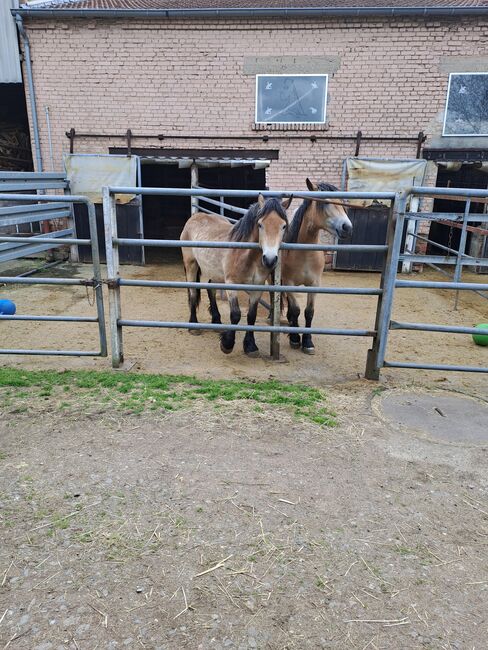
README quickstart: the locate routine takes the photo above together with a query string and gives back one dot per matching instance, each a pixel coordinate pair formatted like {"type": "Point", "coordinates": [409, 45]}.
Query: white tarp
{"type": "Point", "coordinates": [88, 173]}
{"type": "Point", "coordinates": [383, 176]}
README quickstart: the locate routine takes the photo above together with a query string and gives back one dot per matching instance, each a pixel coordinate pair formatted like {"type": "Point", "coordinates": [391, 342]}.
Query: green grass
{"type": "Point", "coordinates": [135, 393]}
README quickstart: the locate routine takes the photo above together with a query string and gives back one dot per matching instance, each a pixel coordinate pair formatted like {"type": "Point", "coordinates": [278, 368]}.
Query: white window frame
{"type": "Point", "coordinates": [460, 135]}
{"type": "Point", "coordinates": [324, 117]}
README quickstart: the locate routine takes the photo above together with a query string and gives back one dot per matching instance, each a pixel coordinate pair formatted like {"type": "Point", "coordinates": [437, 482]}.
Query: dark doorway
{"type": "Point", "coordinates": [15, 149]}
{"type": "Point", "coordinates": [165, 216]}
{"type": "Point", "coordinates": [237, 178]}
{"type": "Point", "coordinates": [468, 176]}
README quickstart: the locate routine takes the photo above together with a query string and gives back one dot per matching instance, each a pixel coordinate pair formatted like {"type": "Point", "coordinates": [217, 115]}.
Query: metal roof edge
{"type": "Point", "coordinates": [240, 12]}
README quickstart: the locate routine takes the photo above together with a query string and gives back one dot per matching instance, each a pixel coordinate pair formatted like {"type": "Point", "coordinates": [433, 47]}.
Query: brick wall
{"type": "Point", "coordinates": [187, 77]}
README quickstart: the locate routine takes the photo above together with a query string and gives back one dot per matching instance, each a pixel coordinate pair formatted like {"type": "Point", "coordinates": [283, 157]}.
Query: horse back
{"type": "Point", "coordinates": [206, 227]}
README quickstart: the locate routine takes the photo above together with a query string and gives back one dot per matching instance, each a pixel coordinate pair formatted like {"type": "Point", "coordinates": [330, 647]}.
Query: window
{"type": "Point", "coordinates": [467, 104]}
{"type": "Point", "coordinates": [291, 99]}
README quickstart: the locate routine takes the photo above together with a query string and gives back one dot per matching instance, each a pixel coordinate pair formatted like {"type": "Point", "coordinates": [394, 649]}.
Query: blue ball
{"type": "Point", "coordinates": [7, 307]}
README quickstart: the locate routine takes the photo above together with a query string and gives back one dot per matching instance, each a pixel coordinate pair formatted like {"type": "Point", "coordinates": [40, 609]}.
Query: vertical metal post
{"type": "Point", "coordinates": [222, 209]}
{"type": "Point", "coordinates": [112, 254]}
{"type": "Point", "coordinates": [461, 251]}
{"type": "Point", "coordinates": [194, 183]}
{"type": "Point", "coordinates": [376, 355]}
{"type": "Point", "coordinates": [74, 255]}
{"type": "Point", "coordinates": [276, 311]}
{"type": "Point", "coordinates": [97, 277]}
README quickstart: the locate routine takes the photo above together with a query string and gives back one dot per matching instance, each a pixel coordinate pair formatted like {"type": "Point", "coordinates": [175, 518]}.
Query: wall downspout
{"type": "Point", "coordinates": [32, 96]}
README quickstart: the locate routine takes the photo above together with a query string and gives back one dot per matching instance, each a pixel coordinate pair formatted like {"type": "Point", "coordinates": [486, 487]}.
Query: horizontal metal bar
{"type": "Point", "coordinates": [60, 281]}
{"type": "Point", "coordinates": [10, 210]}
{"type": "Point", "coordinates": [164, 191]}
{"type": "Point", "coordinates": [177, 243]}
{"type": "Point", "coordinates": [32, 185]}
{"type": "Point", "coordinates": [447, 192]}
{"type": "Point", "coordinates": [233, 208]}
{"type": "Point", "coordinates": [55, 198]}
{"type": "Point", "coordinates": [61, 319]}
{"type": "Point", "coordinates": [244, 328]}
{"type": "Point", "coordinates": [439, 259]}
{"type": "Point", "coordinates": [15, 241]}
{"type": "Point", "coordinates": [433, 366]}
{"type": "Point", "coordinates": [446, 216]}
{"type": "Point", "coordinates": [462, 286]}
{"type": "Point", "coordinates": [431, 327]}
{"type": "Point", "coordinates": [32, 176]}
{"type": "Point", "coordinates": [47, 215]}
{"type": "Point", "coordinates": [24, 251]}
{"type": "Point", "coordinates": [56, 241]}
{"type": "Point", "coordinates": [55, 353]}
{"type": "Point", "coordinates": [249, 287]}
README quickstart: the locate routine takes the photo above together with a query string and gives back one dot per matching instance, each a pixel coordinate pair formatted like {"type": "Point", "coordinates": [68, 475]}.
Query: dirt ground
{"type": "Point", "coordinates": [231, 526]}
{"type": "Point", "coordinates": [337, 359]}
{"type": "Point", "coordinates": [237, 525]}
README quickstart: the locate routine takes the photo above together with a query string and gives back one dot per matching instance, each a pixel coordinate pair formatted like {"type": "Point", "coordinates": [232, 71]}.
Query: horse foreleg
{"type": "Point", "coordinates": [307, 345]}
{"type": "Point", "coordinates": [213, 308]}
{"type": "Point", "coordinates": [228, 339]}
{"type": "Point", "coordinates": [250, 347]}
{"type": "Point", "coordinates": [292, 314]}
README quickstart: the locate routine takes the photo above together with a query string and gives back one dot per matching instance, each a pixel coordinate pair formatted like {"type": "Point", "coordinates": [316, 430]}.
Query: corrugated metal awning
{"type": "Point", "coordinates": [9, 49]}
{"type": "Point", "coordinates": [184, 163]}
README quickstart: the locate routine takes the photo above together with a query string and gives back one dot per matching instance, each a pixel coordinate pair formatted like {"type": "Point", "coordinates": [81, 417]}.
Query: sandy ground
{"type": "Point", "coordinates": [337, 359]}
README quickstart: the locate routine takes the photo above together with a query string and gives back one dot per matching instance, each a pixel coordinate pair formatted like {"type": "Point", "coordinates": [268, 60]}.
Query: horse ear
{"type": "Point", "coordinates": [311, 186]}
{"type": "Point", "coordinates": [287, 202]}
{"type": "Point", "coordinates": [261, 200]}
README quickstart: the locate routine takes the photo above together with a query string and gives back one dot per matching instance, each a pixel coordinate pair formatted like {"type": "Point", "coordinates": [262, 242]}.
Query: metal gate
{"type": "Point", "coordinates": [113, 241]}
{"type": "Point", "coordinates": [390, 283]}
{"type": "Point", "coordinates": [51, 240]}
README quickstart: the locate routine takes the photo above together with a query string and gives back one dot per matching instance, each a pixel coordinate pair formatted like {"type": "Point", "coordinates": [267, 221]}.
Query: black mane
{"type": "Point", "coordinates": [294, 229]}
{"type": "Point", "coordinates": [244, 227]}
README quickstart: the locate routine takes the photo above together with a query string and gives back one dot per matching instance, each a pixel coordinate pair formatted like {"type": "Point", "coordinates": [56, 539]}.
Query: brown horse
{"type": "Point", "coordinates": [306, 267]}
{"type": "Point", "coordinates": [265, 223]}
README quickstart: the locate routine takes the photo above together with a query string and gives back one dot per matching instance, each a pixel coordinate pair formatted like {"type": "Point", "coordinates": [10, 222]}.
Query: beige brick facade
{"type": "Point", "coordinates": [188, 78]}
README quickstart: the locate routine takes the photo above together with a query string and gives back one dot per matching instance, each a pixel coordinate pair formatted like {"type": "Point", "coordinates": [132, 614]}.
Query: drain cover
{"type": "Point", "coordinates": [450, 418]}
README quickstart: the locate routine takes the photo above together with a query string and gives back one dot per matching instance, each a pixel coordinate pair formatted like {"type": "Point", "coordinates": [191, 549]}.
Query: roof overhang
{"type": "Point", "coordinates": [225, 12]}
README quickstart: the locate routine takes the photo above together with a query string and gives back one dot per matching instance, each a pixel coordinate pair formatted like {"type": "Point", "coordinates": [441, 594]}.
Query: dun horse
{"type": "Point", "coordinates": [305, 267]}
{"type": "Point", "coordinates": [265, 222]}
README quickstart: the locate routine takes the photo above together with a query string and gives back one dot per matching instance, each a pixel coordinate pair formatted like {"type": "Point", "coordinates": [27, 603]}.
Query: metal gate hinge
{"type": "Point", "coordinates": [112, 284]}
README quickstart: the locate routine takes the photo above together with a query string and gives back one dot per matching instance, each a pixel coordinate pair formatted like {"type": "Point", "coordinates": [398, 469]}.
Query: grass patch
{"type": "Point", "coordinates": [135, 393]}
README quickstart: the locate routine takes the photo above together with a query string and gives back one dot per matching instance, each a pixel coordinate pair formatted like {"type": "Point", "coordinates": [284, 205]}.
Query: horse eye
{"type": "Point", "coordinates": [260, 225]}
{"type": "Point", "coordinates": [283, 226]}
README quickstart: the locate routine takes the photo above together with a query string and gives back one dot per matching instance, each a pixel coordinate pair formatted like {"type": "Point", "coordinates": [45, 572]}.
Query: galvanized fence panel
{"type": "Point", "coordinates": [377, 356]}
{"type": "Point", "coordinates": [52, 240]}
{"type": "Point", "coordinates": [115, 281]}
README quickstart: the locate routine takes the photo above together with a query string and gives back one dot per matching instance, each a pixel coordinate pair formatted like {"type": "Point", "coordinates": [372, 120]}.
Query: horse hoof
{"type": "Point", "coordinates": [295, 344]}
{"type": "Point", "coordinates": [195, 332]}
{"type": "Point", "coordinates": [225, 350]}
{"type": "Point", "coordinates": [308, 350]}
{"type": "Point", "coordinates": [253, 354]}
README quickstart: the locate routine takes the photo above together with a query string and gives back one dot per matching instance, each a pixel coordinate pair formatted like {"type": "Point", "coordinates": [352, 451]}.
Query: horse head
{"type": "Point", "coordinates": [331, 216]}
{"type": "Point", "coordinates": [272, 225]}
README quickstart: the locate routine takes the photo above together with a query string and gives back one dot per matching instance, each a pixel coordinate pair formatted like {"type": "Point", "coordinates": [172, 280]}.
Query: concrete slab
{"type": "Point", "coordinates": [445, 417]}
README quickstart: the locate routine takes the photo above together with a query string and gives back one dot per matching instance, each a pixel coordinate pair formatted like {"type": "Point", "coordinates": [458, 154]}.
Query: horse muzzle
{"type": "Point", "coordinates": [270, 261]}
{"type": "Point", "coordinates": [344, 230]}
